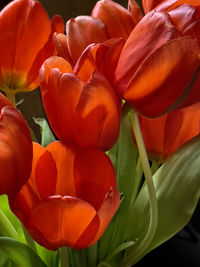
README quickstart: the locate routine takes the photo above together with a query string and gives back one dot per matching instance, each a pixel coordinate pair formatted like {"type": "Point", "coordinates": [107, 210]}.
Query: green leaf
{"type": "Point", "coordinates": [6, 228]}
{"type": "Point", "coordinates": [124, 156]}
{"type": "Point", "coordinates": [20, 253]}
{"type": "Point", "coordinates": [177, 185]}
{"type": "Point", "coordinates": [4, 206]}
{"type": "Point", "coordinates": [47, 136]}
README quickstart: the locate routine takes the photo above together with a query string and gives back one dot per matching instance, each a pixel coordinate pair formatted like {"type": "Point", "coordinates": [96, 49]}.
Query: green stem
{"type": "Point", "coordinates": [138, 253]}
{"type": "Point", "coordinates": [64, 259]}
{"type": "Point", "coordinates": [29, 240]}
{"type": "Point", "coordinates": [10, 94]}
{"type": "Point", "coordinates": [138, 179]}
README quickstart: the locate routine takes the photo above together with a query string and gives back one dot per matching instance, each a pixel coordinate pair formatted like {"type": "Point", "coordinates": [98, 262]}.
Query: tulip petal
{"type": "Point", "coordinates": [46, 51]}
{"type": "Point", "coordinates": [148, 5]}
{"type": "Point", "coordinates": [169, 5]}
{"type": "Point", "coordinates": [46, 175]}
{"type": "Point", "coordinates": [106, 211]}
{"type": "Point", "coordinates": [102, 57]}
{"type": "Point", "coordinates": [16, 151]}
{"type": "Point", "coordinates": [61, 221]}
{"type": "Point", "coordinates": [23, 202]}
{"type": "Point", "coordinates": [83, 31]}
{"type": "Point", "coordinates": [98, 111]}
{"type": "Point", "coordinates": [60, 41]}
{"type": "Point", "coordinates": [187, 21]}
{"type": "Point", "coordinates": [154, 30]}
{"type": "Point", "coordinates": [64, 155]}
{"type": "Point", "coordinates": [163, 82]}
{"type": "Point", "coordinates": [117, 19]}
{"type": "Point", "coordinates": [60, 97]}
{"type": "Point", "coordinates": [135, 11]}
{"type": "Point", "coordinates": [94, 176]}
{"type": "Point", "coordinates": [53, 62]}
{"type": "Point", "coordinates": [21, 18]}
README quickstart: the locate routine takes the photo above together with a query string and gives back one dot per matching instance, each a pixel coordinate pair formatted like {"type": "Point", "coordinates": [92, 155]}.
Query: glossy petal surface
{"type": "Point", "coordinates": [16, 150]}
{"type": "Point", "coordinates": [17, 20]}
{"type": "Point", "coordinates": [83, 31]}
{"type": "Point", "coordinates": [154, 30]}
{"type": "Point", "coordinates": [117, 19]}
{"type": "Point", "coordinates": [73, 216]}
{"type": "Point", "coordinates": [162, 136]}
{"type": "Point", "coordinates": [164, 83]}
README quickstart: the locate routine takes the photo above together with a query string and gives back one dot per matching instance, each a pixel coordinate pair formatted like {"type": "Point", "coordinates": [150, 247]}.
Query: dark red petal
{"type": "Point", "coordinates": [154, 30]}
{"type": "Point", "coordinates": [16, 151]}
{"type": "Point", "coordinates": [163, 82]}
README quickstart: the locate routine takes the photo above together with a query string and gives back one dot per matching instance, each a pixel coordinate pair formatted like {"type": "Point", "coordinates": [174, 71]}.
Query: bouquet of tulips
{"type": "Point", "coordinates": [117, 171]}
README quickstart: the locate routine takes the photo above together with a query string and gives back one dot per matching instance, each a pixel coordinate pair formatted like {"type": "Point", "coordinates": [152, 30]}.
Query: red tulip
{"type": "Point", "coordinates": [26, 41]}
{"type": "Point", "coordinates": [70, 197]}
{"type": "Point", "coordinates": [16, 149]}
{"type": "Point", "coordinates": [162, 136]}
{"type": "Point", "coordinates": [108, 20]}
{"type": "Point", "coordinates": [158, 69]}
{"type": "Point", "coordinates": [86, 112]}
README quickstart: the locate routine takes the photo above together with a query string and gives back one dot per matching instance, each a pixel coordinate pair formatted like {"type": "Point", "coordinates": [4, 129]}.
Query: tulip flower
{"type": "Point", "coordinates": [16, 149]}
{"type": "Point", "coordinates": [86, 112]}
{"type": "Point", "coordinates": [158, 68]}
{"type": "Point", "coordinates": [70, 197]}
{"type": "Point", "coordinates": [26, 41]}
{"type": "Point", "coordinates": [108, 20]}
{"type": "Point", "coordinates": [163, 135]}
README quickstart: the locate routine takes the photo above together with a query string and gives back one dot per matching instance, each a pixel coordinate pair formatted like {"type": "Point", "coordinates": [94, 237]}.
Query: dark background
{"type": "Point", "coordinates": [181, 250]}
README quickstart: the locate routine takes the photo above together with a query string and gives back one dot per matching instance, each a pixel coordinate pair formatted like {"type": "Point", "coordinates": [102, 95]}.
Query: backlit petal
{"type": "Point", "coordinates": [61, 221]}
{"type": "Point", "coordinates": [98, 114]}
{"type": "Point", "coordinates": [164, 77]}
{"type": "Point", "coordinates": [64, 155]}
{"type": "Point", "coordinates": [154, 30]}
{"type": "Point", "coordinates": [81, 32]}
{"type": "Point", "coordinates": [20, 22]}
{"type": "Point", "coordinates": [16, 151]}
{"type": "Point", "coordinates": [94, 176]}
{"type": "Point", "coordinates": [117, 19]}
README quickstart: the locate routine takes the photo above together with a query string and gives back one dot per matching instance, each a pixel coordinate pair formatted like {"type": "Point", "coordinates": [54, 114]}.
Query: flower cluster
{"type": "Point", "coordinates": [90, 77]}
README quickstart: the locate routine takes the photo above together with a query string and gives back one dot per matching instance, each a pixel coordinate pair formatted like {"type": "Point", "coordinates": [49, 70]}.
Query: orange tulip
{"type": "Point", "coordinates": [158, 68]}
{"type": "Point", "coordinates": [162, 136]}
{"type": "Point", "coordinates": [70, 197]}
{"type": "Point", "coordinates": [26, 41]}
{"type": "Point", "coordinates": [108, 20]}
{"type": "Point", "coordinates": [81, 108]}
{"type": "Point", "coordinates": [16, 149]}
